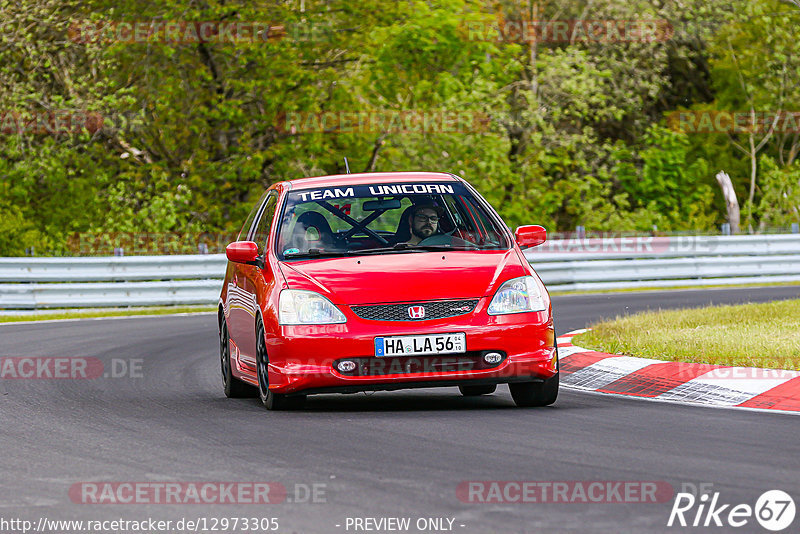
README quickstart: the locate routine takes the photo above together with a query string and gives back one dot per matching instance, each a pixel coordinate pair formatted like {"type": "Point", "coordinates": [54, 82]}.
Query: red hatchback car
{"type": "Point", "coordinates": [383, 281]}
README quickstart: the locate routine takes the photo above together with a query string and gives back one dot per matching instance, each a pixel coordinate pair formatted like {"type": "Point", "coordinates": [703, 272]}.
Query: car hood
{"type": "Point", "coordinates": [405, 277]}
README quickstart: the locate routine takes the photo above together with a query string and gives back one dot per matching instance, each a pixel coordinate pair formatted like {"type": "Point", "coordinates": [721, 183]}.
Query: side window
{"type": "Point", "coordinates": [245, 231]}
{"type": "Point", "coordinates": [248, 223]}
{"type": "Point", "coordinates": [261, 233]}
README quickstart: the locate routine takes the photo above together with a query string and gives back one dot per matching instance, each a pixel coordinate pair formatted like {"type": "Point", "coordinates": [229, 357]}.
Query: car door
{"type": "Point", "coordinates": [256, 281]}
{"type": "Point", "coordinates": [240, 306]}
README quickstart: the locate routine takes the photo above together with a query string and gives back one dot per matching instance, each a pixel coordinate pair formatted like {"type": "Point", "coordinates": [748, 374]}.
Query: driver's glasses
{"type": "Point", "coordinates": [425, 218]}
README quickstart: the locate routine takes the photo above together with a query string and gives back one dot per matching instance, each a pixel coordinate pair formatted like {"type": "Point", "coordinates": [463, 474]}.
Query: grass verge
{"type": "Point", "coordinates": [111, 312]}
{"type": "Point", "coordinates": [748, 335]}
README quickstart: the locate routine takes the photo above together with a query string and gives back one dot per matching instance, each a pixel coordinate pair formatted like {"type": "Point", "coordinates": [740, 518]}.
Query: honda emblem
{"type": "Point", "coordinates": [416, 312]}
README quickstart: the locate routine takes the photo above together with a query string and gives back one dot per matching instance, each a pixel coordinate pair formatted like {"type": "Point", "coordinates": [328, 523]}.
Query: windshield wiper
{"type": "Point", "coordinates": [399, 247]}
{"type": "Point", "coordinates": [445, 247]}
{"type": "Point", "coordinates": [316, 252]}
{"type": "Point", "coordinates": [407, 247]}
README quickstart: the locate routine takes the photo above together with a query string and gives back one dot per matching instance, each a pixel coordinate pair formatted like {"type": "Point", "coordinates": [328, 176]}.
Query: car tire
{"type": "Point", "coordinates": [233, 387]}
{"type": "Point", "coordinates": [270, 399]}
{"type": "Point", "coordinates": [545, 393]}
{"type": "Point", "coordinates": [474, 391]}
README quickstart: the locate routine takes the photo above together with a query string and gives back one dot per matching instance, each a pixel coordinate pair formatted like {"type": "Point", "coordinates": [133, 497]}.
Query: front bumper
{"type": "Point", "coordinates": [302, 358]}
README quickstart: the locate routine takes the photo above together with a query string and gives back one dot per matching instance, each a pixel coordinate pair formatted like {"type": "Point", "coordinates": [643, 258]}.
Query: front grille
{"type": "Point", "coordinates": [435, 309]}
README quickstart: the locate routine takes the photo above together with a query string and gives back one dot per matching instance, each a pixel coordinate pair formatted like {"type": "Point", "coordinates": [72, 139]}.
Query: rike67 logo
{"type": "Point", "coordinates": [774, 510]}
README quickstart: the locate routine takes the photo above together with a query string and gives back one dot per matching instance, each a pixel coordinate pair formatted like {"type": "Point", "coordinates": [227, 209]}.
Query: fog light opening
{"type": "Point", "coordinates": [346, 366]}
{"type": "Point", "coordinates": [492, 358]}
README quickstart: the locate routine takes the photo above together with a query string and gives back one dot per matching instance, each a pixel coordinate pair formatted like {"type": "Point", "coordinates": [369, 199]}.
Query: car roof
{"type": "Point", "coordinates": [370, 178]}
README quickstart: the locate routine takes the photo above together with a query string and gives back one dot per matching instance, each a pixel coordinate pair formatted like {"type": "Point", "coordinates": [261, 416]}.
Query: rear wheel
{"type": "Point", "coordinates": [270, 399]}
{"type": "Point", "coordinates": [474, 391]}
{"type": "Point", "coordinates": [233, 387]}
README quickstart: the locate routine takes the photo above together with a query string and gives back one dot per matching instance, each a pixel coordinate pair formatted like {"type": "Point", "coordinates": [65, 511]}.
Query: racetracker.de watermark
{"type": "Point", "coordinates": [384, 121]}
{"type": "Point", "coordinates": [620, 243]}
{"type": "Point", "coordinates": [143, 243]}
{"type": "Point", "coordinates": [203, 492]}
{"type": "Point", "coordinates": [420, 365]}
{"type": "Point", "coordinates": [66, 121]}
{"type": "Point", "coordinates": [751, 373]}
{"type": "Point", "coordinates": [195, 32]}
{"type": "Point", "coordinates": [564, 491]}
{"type": "Point", "coordinates": [147, 524]}
{"type": "Point", "coordinates": [68, 368]}
{"type": "Point", "coordinates": [570, 31]}
{"type": "Point", "coordinates": [734, 122]}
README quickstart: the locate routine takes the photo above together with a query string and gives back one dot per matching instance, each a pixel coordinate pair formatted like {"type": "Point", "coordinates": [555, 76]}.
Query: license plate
{"type": "Point", "coordinates": [419, 345]}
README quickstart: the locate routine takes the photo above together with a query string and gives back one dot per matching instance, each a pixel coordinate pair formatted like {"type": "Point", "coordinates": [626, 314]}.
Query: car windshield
{"type": "Point", "coordinates": [386, 218]}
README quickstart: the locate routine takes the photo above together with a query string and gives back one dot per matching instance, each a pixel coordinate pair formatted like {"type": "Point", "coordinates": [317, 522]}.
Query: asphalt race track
{"type": "Point", "coordinates": [390, 454]}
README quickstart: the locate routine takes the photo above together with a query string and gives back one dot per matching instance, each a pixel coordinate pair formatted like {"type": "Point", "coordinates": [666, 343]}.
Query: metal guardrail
{"type": "Point", "coordinates": [112, 269]}
{"type": "Point", "coordinates": [668, 269]}
{"type": "Point", "coordinates": [585, 264]}
{"type": "Point", "coordinates": [614, 248]}
{"type": "Point", "coordinates": [564, 265]}
{"type": "Point", "coordinates": [110, 281]}
{"type": "Point", "coordinates": [102, 294]}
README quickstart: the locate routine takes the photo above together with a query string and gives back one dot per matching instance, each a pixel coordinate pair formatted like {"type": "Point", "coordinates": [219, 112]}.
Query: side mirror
{"type": "Point", "coordinates": [242, 252]}
{"type": "Point", "coordinates": [530, 236]}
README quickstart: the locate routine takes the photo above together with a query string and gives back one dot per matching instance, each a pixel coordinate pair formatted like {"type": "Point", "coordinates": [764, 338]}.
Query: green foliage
{"type": "Point", "coordinates": [667, 189]}
{"type": "Point", "coordinates": [574, 133]}
{"type": "Point", "coordinates": [17, 233]}
{"type": "Point", "coordinates": [755, 66]}
{"type": "Point", "coordinates": [780, 201]}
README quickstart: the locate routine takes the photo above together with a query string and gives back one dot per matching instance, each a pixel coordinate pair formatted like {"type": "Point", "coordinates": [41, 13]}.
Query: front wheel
{"type": "Point", "coordinates": [270, 399]}
{"type": "Point", "coordinates": [536, 393]}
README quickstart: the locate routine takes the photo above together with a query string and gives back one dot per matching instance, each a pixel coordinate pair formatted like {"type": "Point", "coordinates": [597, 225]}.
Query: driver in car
{"type": "Point", "coordinates": [424, 223]}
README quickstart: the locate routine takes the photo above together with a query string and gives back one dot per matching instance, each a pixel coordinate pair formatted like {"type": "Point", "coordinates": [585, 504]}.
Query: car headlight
{"type": "Point", "coordinates": [307, 307]}
{"type": "Point", "coordinates": [516, 296]}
